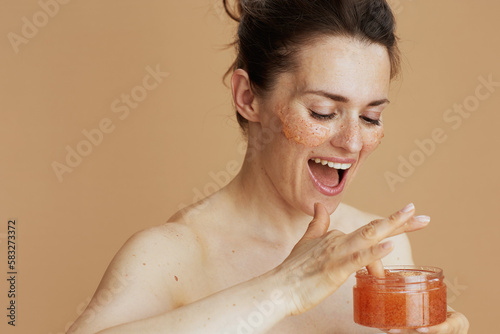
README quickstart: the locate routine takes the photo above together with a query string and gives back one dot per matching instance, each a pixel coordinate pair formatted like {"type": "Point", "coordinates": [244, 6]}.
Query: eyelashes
{"type": "Point", "coordinates": [371, 121]}
{"type": "Point", "coordinates": [321, 117]}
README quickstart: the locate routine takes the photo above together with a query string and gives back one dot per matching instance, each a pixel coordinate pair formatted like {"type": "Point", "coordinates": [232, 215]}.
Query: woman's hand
{"type": "Point", "coordinates": [322, 261]}
{"type": "Point", "coordinates": [456, 323]}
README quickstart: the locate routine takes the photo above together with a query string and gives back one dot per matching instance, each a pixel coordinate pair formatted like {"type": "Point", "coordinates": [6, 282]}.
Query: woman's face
{"type": "Point", "coordinates": [324, 118]}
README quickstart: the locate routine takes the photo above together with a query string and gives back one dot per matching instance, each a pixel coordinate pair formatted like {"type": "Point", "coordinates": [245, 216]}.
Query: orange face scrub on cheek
{"type": "Point", "coordinates": [373, 139]}
{"type": "Point", "coordinates": [303, 131]}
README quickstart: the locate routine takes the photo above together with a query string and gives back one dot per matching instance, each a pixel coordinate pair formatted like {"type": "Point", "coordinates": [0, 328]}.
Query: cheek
{"type": "Point", "coordinates": [303, 131]}
{"type": "Point", "coordinates": [372, 138]}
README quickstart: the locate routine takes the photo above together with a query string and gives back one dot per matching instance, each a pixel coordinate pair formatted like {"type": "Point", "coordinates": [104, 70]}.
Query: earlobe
{"type": "Point", "coordinates": [243, 96]}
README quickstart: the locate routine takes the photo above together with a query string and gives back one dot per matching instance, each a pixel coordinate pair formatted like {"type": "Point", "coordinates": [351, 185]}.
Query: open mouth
{"type": "Point", "coordinates": [328, 176]}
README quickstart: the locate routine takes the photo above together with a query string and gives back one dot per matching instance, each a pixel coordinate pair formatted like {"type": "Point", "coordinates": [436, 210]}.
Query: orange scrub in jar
{"type": "Point", "coordinates": [407, 297]}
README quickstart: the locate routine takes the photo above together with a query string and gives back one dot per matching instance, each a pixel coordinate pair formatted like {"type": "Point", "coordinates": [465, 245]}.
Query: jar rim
{"type": "Point", "coordinates": [412, 274]}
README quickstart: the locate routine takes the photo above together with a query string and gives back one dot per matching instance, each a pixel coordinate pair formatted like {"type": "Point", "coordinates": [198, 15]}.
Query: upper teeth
{"type": "Point", "coordinates": [331, 164]}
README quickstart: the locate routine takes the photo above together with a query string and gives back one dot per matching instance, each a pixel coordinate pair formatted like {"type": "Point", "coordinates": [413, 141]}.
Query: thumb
{"type": "Point", "coordinates": [320, 223]}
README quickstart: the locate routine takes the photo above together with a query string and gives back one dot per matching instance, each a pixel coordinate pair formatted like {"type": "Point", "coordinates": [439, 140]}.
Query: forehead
{"type": "Point", "coordinates": [342, 65]}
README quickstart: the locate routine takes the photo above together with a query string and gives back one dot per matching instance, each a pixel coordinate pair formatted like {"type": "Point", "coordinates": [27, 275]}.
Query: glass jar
{"type": "Point", "coordinates": [407, 297]}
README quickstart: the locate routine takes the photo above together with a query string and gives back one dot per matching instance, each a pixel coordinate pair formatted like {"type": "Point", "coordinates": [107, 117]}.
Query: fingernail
{"type": "Point", "coordinates": [408, 208]}
{"type": "Point", "coordinates": [423, 330]}
{"type": "Point", "coordinates": [386, 245]}
{"type": "Point", "coordinates": [422, 219]}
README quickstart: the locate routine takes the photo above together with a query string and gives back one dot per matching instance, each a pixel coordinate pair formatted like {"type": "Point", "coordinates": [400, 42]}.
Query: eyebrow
{"type": "Point", "coordinates": [343, 99]}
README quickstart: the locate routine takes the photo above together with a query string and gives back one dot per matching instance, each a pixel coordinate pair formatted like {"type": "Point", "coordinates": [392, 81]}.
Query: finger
{"type": "Point", "coordinates": [320, 223]}
{"type": "Point", "coordinates": [455, 323]}
{"type": "Point", "coordinates": [376, 269]}
{"type": "Point", "coordinates": [415, 223]}
{"type": "Point", "coordinates": [402, 331]}
{"type": "Point", "coordinates": [443, 328]}
{"type": "Point", "coordinates": [380, 229]}
{"type": "Point", "coordinates": [366, 256]}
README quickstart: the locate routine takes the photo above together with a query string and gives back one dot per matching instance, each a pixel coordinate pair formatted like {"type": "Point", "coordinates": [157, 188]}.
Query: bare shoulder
{"type": "Point", "coordinates": [142, 278]}
{"type": "Point", "coordinates": [158, 243]}
{"type": "Point", "coordinates": [351, 218]}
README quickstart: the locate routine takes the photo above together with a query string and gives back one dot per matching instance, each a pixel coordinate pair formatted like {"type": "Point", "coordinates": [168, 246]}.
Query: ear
{"type": "Point", "coordinates": [243, 96]}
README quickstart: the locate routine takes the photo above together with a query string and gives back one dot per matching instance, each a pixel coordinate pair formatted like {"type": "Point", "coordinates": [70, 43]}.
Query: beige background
{"type": "Point", "coordinates": [64, 79]}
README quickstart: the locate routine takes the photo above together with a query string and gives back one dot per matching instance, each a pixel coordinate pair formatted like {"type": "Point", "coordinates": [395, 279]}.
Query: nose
{"type": "Point", "coordinates": [348, 136]}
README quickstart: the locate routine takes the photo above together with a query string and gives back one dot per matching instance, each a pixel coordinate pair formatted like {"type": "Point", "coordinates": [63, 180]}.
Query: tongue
{"type": "Point", "coordinates": [324, 174]}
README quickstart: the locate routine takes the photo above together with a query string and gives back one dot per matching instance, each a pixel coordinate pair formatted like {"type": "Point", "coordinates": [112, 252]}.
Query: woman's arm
{"type": "Point", "coordinates": [250, 307]}
{"type": "Point", "coordinates": [319, 263]}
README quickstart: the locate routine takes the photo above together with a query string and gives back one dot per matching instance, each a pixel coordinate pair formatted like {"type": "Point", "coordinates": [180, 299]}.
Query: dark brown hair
{"type": "Point", "coordinates": [271, 32]}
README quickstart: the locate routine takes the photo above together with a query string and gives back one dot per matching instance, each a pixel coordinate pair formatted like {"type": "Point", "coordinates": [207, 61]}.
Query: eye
{"type": "Point", "coordinates": [371, 121]}
{"type": "Point", "coordinates": [322, 117]}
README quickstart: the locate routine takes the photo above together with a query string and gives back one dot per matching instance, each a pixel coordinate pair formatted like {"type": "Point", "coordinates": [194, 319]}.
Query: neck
{"type": "Point", "coordinates": [257, 200]}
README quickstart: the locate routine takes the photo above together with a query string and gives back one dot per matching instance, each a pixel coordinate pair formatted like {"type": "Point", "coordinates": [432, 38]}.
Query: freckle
{"type": "Point", "coordinates": [176, 278]}
{"type": "Point", "coordinates": [348, 302]}
{"type": "Point", "coordinates": [133, 254]}
{"type": "Point", "coordinates": [143, 263]}
{"type": "Point", "coordinates": [233, 251]}
{"type": "Point", "coordinates": [234, 305]}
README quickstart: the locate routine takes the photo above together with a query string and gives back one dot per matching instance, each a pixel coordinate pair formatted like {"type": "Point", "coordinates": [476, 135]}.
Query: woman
{"type": "Point", "coordinates": [309, 84]}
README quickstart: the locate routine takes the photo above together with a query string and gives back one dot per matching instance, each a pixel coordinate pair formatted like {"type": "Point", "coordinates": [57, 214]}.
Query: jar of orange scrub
{"type": "Point", "coordinates": [407, 297]}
